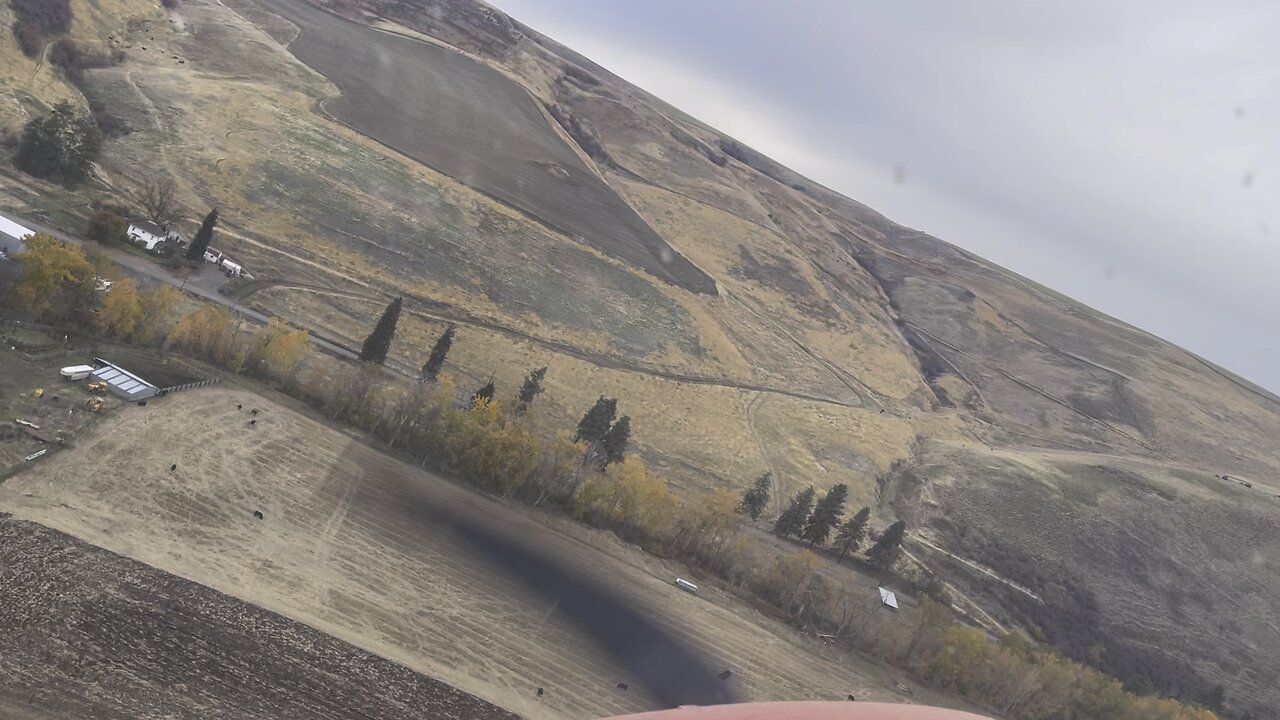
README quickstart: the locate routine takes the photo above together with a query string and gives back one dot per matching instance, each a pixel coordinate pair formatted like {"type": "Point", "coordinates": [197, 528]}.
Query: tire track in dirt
{"type": "Point", "coordinates": [1039, 391]}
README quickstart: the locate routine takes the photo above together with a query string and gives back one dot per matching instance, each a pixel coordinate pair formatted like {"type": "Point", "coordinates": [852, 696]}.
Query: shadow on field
{"type": "Point", "coordinates": [667, 667]}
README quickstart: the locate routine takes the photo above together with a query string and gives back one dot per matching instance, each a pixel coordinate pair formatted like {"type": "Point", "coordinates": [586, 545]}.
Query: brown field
{"type": "Point", "coordinates": [376, 553]}
{"type": "Point", "coordinates": [125, 641]}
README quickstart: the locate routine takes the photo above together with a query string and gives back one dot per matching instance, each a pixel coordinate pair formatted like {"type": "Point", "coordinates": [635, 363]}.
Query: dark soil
{"type": "Point", "coordinates": [87, 633]}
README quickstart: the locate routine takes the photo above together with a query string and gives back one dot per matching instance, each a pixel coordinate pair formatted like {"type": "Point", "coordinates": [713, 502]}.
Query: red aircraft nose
{"type": "Point", "coordinates": [805, 711]}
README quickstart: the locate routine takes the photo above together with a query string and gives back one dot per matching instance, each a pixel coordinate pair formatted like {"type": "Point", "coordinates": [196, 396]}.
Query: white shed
{"type": "Point", "coordinates": [889, 599]}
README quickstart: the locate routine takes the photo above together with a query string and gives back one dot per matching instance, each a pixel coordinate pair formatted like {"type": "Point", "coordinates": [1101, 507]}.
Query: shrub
{"type": "Point", "coordinates": [107, 227]}
{"type": "Point", "coordinates": [61, 145]}
{"type": "Point", "coordinates": [74, 58]}
{"type": "Point", "coordinates": [35, 20]}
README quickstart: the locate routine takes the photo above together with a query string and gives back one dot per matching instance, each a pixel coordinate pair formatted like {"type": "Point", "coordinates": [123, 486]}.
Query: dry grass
{"type": "Point", "coordinates": [334, 553]}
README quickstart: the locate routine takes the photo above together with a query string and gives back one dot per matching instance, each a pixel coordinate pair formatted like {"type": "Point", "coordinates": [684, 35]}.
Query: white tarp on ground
{"type": "Point", "coordinates": [888, 598]}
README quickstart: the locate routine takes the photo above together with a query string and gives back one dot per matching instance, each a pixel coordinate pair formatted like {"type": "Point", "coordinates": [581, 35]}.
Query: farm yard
{"type": "Point", "coordinates": [31, 359]}
{"type": "Point", "coordinates": [377, 554]}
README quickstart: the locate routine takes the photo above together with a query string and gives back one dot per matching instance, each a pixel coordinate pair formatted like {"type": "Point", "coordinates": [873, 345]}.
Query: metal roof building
{"type": "Point", "coordinates": [122, 382]}
{"type": "Point", "coordinates": [12, 234]}
{"type": "Point", "coordinates": [889, 599]}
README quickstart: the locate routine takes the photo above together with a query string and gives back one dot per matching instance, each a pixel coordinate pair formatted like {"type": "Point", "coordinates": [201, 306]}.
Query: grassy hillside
{"type": "Point", "coordinates": [1010, 425]}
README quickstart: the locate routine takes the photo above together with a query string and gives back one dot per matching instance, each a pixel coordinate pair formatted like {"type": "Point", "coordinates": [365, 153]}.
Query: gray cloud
{"type": "Point", "coordinates": [1123, 153]}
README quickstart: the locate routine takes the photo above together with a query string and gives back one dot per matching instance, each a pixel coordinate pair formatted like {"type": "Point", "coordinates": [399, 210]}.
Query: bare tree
{"type": "Point", "coordinates": [158, 199]}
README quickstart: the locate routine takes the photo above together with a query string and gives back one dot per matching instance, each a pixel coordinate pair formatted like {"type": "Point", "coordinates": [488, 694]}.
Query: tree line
{"type": "Point", "coordinates": [487, 437]}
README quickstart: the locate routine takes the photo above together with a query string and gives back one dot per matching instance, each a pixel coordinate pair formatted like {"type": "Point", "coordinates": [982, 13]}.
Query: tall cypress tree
{"type": "Point", "coordinates": [885, 551]}
{"type": "Point", "coordinates": [531, 389]}
{"type": "Point", "coordinates": [435, 363]}
{"type": "Point", "coordinates": [826, 515]}
{"type": "Point", "coordinates": [595, 424]}
{"type": "Point", "coordinates": [203, 237]}
{"type": "Point", "coordinates": [851, 534]}
{"type": "Point", "coordinates": [614, 444]}
{"type": "Point", "coordinates": [485, 392]}
{"type": "Point", "coordinates": [792, 519]}
{"type": "Point", "coordinates": [756, 498]}
{"type": "Point", "coordinates": [378, 343]}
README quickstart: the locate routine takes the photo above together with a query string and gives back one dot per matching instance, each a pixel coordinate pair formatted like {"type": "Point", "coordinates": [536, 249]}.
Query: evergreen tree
{"type": "Point", "coordinates": [378, 343]}
{"type": "Point", "coordinates": [885, 551]}
{"type": "Point", "coordinates": [61, 145]}
{"type": "Point", "coordinates": [595, 424]}
{"type": "Point", "coordinates": [756, 498]}
{"type": "Point", "coordinates": [826, 515]}
{"type": "Point", "coordinates": [203, 237]}
{"type": "Point", "coordinates": [851, 534]}
{"type": "Point", "coordinates": [792, 519]}
{"type": "Point", "coordinates": [614, 444]}
{"type": "Point", "coordinates": [435, 363]}
{"type": "Point", "coordinates": [531, 389]}
{"type": "Point", "coordinates": [484, 393]}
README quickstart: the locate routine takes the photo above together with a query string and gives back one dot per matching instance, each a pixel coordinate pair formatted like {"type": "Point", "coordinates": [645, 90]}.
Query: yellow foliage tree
{"type": "Point", "coordinates": [159, 310]}
{"type": "Point", "coordinates": [706, 524]}
{"type": "Point", "coordinates": [56, 277]}
{"type": "Point", "coordinates": [629, 496]}
{"type": "Point", "coordinates": [207, 333]}
{"type": "Point", "coordinates": [495, 455]}
{"type": "Point", "coordinates": [558, 473]}
{"type": "Point", "coordinates": [277, 350]}
{"type": "Point", "coordinates": [121, 310]}
{"type": "Point", "coordinates": [792, 574]}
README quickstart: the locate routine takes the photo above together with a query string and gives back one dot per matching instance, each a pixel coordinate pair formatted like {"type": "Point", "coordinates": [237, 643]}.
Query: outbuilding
{"type": "Point", "coordinates": [121, 381]}
{"type": "Point", "coordinates": [11, 236]}
{"type": "Point", "coordinates": [889, 599]}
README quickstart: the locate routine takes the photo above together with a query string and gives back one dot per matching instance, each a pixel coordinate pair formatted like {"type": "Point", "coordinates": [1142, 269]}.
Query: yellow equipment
{"type": "Point", "coordinates": [94, 404]}
{"type": "Point", "coordinates": [38, 392]}
{"type": "Point", "coordinates": [96, 387]}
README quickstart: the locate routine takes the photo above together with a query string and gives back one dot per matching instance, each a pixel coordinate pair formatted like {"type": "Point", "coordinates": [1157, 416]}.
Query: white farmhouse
{"type": "Point", "coordinates": [149, 234]}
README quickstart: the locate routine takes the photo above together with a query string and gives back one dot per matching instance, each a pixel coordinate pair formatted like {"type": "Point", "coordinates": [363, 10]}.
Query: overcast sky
{"type": "Point", "coordinates": [1125, 153]}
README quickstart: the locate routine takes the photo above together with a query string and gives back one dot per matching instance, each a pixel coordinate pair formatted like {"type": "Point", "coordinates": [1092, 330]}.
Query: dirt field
{"type": "Point", "coordinates": [389, 559]}
{"type": "Point", "coordinates": [125, 641]}
{"type": "Point", "coordinates": [468, 121]}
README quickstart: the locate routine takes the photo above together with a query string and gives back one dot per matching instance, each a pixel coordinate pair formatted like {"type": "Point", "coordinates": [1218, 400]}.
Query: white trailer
{"type": "Point", "coordinates": [686, 586]}
{"type": "Point", "coordinates": [77, 372]}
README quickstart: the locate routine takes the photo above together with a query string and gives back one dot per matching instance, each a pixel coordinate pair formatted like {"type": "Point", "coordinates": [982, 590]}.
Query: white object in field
{"type": "Point", "coordinates": [28, 423]}
{"type": "Point", "coordinates": [212, 256]}
{"type": "Point", "coordinates": [231, 268]}
{"type": "Point", "coordinates": [15, 231]}
{"type": "Point", "coordinates": [888, 598]}
{"type": "Point", "coordinates": [36, 454]}
{"type": "Point", "coordinates": [686, 586]}
{"type": "Point", "coordinates": [77, 372]}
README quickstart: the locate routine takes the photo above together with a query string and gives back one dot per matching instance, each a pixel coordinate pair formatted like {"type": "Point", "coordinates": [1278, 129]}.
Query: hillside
{"type": "Point", "coordinates": [747, 318]}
